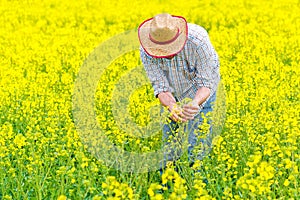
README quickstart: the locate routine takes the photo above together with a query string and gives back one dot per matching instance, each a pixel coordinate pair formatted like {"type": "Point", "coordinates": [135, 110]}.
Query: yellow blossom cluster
{"type": "Point", "coordinates": [114, 190]}
{"type": "Point", "coordinates": [173, 185]}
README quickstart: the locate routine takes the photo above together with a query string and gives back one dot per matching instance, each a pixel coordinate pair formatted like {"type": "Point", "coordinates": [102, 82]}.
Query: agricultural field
{"type": "Point", "coordinates": [44, 48]}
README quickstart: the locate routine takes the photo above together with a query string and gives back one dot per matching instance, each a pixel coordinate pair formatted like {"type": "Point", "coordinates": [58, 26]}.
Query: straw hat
{"type": "Point", "coordinates": [163, 35]}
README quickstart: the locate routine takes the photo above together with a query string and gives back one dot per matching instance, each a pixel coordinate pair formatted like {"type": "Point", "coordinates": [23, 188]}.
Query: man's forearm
{"type": "Point", "coordinates": [166, 99]}
{"type": "Point", "coordinates": [201, 95]}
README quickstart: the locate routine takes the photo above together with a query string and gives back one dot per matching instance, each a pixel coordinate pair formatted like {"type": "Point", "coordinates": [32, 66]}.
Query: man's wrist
{"type": "Point", "coordinates": [167, 100]}
{"type": "Point", "coordinates": [201, 95]}
{"type": "Point", "coordinates": [171, 105]}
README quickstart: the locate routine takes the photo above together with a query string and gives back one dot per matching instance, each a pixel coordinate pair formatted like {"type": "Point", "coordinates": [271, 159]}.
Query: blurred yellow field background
{"type": "Point", "coordinates": [42, 47]}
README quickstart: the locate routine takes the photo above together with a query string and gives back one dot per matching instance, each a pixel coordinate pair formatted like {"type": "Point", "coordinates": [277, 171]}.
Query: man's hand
{"type": "Point", "coordinates": [190, 110]}
{"type": "Point", "coordinates": [168, 100]}
{"type": "Point", "coordinates": [177, 113]}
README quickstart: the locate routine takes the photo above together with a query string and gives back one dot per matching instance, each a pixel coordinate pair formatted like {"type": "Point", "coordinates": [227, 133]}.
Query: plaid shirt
{"type": "Point", "coordinates": [195, 66]}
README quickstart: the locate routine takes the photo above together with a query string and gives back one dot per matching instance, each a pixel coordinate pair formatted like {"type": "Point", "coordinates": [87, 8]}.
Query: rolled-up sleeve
{"type": "Point", "coordinates": [155, 73]}
{"type": "Point", "coordinates": [207, 65]}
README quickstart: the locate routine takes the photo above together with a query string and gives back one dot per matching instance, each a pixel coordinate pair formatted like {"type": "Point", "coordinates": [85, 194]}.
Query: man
{"type": "Point", "coordinates": [180, 62]}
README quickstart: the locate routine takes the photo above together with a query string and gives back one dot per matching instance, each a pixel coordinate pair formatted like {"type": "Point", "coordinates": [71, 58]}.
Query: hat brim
{"type": "Point", "coordinates": [163, 50]}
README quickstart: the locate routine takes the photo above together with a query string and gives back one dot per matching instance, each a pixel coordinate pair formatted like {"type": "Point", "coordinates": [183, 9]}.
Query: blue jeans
{"type": "Point", "coordinates": [176, 140]}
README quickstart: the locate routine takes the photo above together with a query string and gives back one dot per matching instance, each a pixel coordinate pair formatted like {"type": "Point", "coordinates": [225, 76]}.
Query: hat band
{"type": "Point", "coordinates": [164, 42]}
